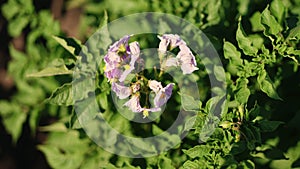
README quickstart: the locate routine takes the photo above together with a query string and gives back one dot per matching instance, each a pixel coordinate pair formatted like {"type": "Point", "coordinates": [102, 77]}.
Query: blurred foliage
{"type": "Point", "coordinates": [258, 42]}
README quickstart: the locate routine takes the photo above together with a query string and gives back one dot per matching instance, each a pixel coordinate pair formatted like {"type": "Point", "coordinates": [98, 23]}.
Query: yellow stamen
{"type": "Point", "coordinates": [122, 49]}
{"type": "Point", "coordinates": [145, 113]}
{"type": "Point", "coordinates": [127, 67]}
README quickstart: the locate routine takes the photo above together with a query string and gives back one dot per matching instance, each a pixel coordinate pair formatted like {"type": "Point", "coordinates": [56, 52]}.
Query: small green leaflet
{"type": "Point", "coordinates": [266, 85]}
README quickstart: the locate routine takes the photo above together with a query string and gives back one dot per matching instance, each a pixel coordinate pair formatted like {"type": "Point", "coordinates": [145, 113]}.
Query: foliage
{"type": "Point", "coordinates": [258, 42]}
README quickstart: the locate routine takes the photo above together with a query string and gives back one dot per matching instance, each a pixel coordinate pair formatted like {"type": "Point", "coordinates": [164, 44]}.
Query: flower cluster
{"type": "Point", "coordinates": [121, 59]}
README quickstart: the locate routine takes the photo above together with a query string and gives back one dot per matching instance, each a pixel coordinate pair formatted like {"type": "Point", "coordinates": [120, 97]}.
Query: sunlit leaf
{"type": "Point", "coordinates": [266, 85]}
{"type": "Point", "coordinates": [244, 42]}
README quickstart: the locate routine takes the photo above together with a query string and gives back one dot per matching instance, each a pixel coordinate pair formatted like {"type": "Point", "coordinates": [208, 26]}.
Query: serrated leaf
{"type": "Point", "coordinates": [272, 27]}
{"type": "Point", "coordinates": [57, 127]}
{"type": "Point", "coordinates": [16, 26]}
{"type": "Point", "coordinates": [71, 45]}
{"type": "Point", "coordinates": [62, 95]}
{"type": "Point", "coordinates": [238, 147]}
{"type": "Point", "coordinates": [59, 159]}
{"type": "Point", "coordinates": [10, 9]}
{"type": "Point", "coordinates": [266, 85]}
{"type": "Point", "coordinates": [219, 73]}
{"type": "Point", "coordinates": [156, 130]}
{"type": "Point", "coordinates": [191, 165]}
{"type": "Point", "coordinates": [243, 92]}
{"type": "Point", "coordinates": [231, 53]}
{"type": "Point", "coordinates": [244, 42]}
{"type": "Point", "coordinates": [247, 164]}
{"type": "Point", "coordinates": [294, 33]}
{"type": "Point", "coordinates": [189, 103]}
{"type": "Point", "coordinates": [68, 93]}
{"type": "Point", "coordinates": [102, 98]}
{"type": "Point", "coordinates": [197, 151]}
{"type": "Point", "coordinates": [269, 126]}
{"type": "Point", "coordinates": [52, 70]}
{"type": "Point", "coordinates": [165, 162]}
{"type": "Point", "coordinates": [277, 9]}
{"type": "Point", "coordinates": [256, 22]}
{"type": "Point", "coordinates": [190, 122]}
{"type": "Point", "coordinates": [34, 120]}
{"type": "Point", "coordinates": [13, 119]}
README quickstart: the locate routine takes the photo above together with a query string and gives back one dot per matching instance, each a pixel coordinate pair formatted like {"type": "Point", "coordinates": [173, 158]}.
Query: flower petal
{"type": "Point", "coordinates": [155, 85]}
{"type": "Point", "coordinates": [187, 60]}
{"type": "Point", "coordinates": [134, 103]}
{"type": "Point", "coordinates": [172, 62]}
{"type": "Point", "coordinates": [163, 95]}
{"type": "Point", "coordinates": [134, 48]}
{"type": "Point", "coordinates": [116, 46]}
{"type": "Point", "coordinates": [121, 91]}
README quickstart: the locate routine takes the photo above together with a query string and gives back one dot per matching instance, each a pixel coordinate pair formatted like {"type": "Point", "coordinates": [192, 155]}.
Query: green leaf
{"type": "Point", "coordinates": [71, 45]}
{"type": "Point", "coordinates": [58, 159]}
{"type": "Point", "coordinates": [266, 85]}
{"type": "Point", "coordinates": [156, 130]}
{"type": "Point", "coordinates": [34, 120]}
{"type": "Point", "coordinates": [277, 9]}
{"type": "Point", "coordinates": [269, 126]}
{"type": "Point", "coordinates": [191, 164]}
{"type": "Point", "coordinates": [294, 33]}
{"type": "Point", "coordinates": [247, 164]}
{"type": "Point", "coordinates": [238, 147]}
{"type": "Point", "coordinates": [16, 26]}
{"type": "Point", "coordinates": [62, 95]}
{"type": "Point", "coordinates": [69, 93]}
{"type": "Point", "coordinates": [165, 162]}
{"type": "Point", "coordinates": [272, 27]}
{"type": "Point", "coordinates": [219, 73]}
{"type": "Point", "coordinates": [197, 151]}
{"type": "Point", "coordinates": [243, 6]}
{"type": "Point", "coordinates": [190, 122]}
{"type": "Point", "coordinates": [58, 127]}
{"type": "Point", "coordinates": [189, 103]}
{"type": "Point", "coordinates": [10, 9]}
{"type": "Point", "coordinates": [243, 92]}
{"type": "Point", "coordinates": [13, 119]}
{"type": "Point", "coordinates": [244, 42]}
{"type": "Point", "coordinates": [253, 113]}
{"type": "Point", "coordinates": [255, 21]}
{"type": "Point", "coordinates": [231, 53]}
{"type": "Point", "coordinates": [102, 98]}
{"type": "Point", "coordinates": [57, 67]}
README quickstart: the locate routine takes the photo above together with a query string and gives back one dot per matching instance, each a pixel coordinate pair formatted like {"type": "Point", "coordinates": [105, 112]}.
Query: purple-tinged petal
{"type": "Point", "coordinates": [172, 40]}
{"type": "Point", "coordinates": [187, 60]}
{"type": "Point", "coordinates": [155, 86]}
{"type": "Point", "coordinates": [116, 46]}
{"type": "Point", "coordinates": [175, 40]}
{"type": "Point", "coordinates": [172, 62]}
{"type": "Point", "coordinates": [163, 45]}
{"type": "Point", "coordinates": [112, 58]}
{"type": "Point", "coordinates": [113, 74]}
{"type": "Point", "coordinates": [121, 91]}
{"type": "Point", "coordinates": [188, 68]}
{"type": "Point", "coordinates": [134, 48]}
{"type": "Point", "coordinates": [163, 95]}
{"type": "Point", "coordinates": [129, 68]}
{"type": "Point", "coordinates": [134, 103]}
